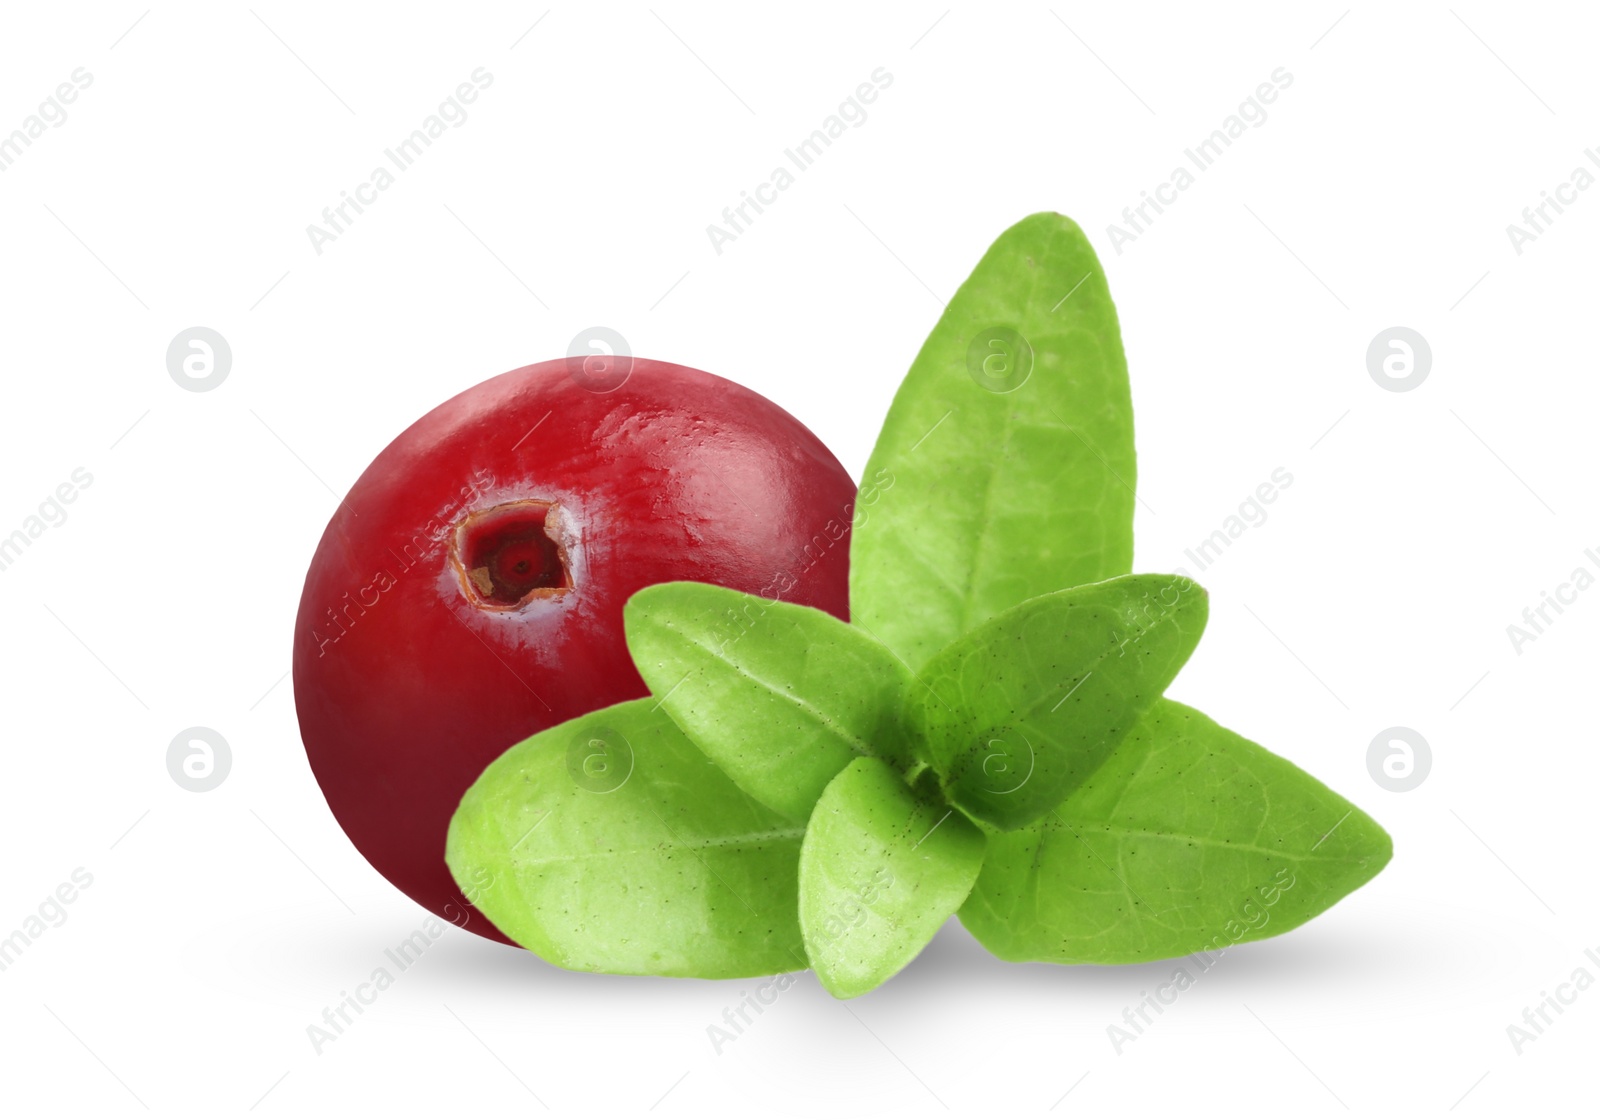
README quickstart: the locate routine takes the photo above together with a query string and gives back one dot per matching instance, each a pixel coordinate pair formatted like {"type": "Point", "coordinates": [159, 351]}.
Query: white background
{"type": "Point", "coordinates": [1419, 525]}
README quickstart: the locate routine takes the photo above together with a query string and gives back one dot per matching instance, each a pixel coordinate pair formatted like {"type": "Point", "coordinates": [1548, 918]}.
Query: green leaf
{"type": "Point", "coordinates": [880, 871]}
{"type": "Point", "coordinates": [610, 843]}
{"type": "Point", "coordinates": [1020, 712]}
{"type": "Point", "coordinates": [1188, 840]}
{"type": "Point", "coordinates": [980, 495]}
{"type": "Point", "coordinates": [780, 696]}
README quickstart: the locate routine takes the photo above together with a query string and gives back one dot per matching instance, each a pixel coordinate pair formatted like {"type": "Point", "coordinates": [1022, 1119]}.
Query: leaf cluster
{"type": "Point", "coordinates": [988, 737]}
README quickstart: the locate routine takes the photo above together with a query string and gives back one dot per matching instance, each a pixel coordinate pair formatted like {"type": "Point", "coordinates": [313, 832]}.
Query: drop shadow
{"type": "Point", "coordinates": [463, 961]}
{"type": "Point", "coordinates": [305, 949]}
{"type": "Point", "coordinates": [954, 961]}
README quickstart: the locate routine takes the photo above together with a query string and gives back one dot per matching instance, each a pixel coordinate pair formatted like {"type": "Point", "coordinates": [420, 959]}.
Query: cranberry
{"type": "Point", "coordinates": [469, 590]}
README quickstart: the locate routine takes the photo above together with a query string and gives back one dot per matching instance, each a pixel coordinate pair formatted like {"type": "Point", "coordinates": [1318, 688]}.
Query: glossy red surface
{"type": "Point", "coordinates": [412, 673]}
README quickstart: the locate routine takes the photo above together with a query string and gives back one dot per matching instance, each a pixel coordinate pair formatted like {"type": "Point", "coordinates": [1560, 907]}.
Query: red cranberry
{"type": "Point", "coordinates": [468, 592]}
